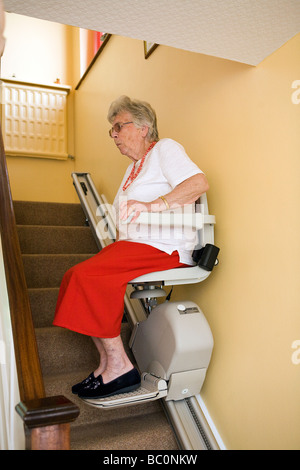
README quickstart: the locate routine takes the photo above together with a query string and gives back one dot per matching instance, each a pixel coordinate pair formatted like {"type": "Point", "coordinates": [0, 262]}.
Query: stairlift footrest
{"type": "Point", "coordinates": [152, 388]}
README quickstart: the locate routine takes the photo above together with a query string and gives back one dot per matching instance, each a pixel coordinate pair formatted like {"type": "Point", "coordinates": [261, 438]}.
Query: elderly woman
{"type": "Point", "coordinates": [91, 299]}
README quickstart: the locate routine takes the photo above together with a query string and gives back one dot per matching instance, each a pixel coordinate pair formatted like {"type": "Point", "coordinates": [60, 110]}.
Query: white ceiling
{"type": "Point", "coordinates": [241, 30]}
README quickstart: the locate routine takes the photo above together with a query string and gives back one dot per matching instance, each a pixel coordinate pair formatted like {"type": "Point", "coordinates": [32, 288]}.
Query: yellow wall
{"type": "Point", "coordinates": [240, 125]}
{"type": "Point", "coordinates": [36, 50]}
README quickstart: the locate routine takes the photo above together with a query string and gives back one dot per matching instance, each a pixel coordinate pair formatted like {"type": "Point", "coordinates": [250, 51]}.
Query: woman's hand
{"type": "Point", "coordinates": [134, 208]}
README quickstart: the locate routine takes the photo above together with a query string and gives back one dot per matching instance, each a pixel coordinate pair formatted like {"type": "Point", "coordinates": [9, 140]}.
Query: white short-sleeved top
{"type": "Point", "coordinates": [165, 166]}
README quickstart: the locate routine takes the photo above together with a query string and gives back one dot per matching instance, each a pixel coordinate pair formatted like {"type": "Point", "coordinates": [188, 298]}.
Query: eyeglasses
{"type": "Point", "coordinates": [117, 127]}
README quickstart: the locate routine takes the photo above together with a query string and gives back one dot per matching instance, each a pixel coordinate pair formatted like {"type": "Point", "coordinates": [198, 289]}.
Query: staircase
{"type": "Point", "coordinates": [53, 237]}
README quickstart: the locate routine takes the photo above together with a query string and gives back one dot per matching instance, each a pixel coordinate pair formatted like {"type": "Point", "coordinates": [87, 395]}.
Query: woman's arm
{"type": "Point", "coordinates": [186, 192]}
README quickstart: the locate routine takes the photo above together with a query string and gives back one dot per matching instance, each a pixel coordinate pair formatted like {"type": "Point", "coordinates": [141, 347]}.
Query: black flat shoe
{"type": "Point", "coordinates": [85, 383]}
{"type": "Point", "coordinates": [125, 383]}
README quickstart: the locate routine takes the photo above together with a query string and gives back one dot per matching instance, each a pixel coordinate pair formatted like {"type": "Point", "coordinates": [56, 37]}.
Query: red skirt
{"type": "Point", "coordinates": [91, 296]}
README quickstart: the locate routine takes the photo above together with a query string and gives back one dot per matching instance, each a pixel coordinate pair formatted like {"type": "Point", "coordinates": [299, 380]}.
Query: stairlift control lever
{"type": "Point", "coordinates": [182, 309]}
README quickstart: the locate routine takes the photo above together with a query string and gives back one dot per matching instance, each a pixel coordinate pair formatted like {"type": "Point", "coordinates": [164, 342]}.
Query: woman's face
{"type": "Point", "coordinates": [130, 140]}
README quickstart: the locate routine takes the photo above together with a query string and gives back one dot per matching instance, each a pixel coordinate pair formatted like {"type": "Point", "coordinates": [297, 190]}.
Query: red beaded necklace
{"type": "Point", "coordinates": [134, 174]}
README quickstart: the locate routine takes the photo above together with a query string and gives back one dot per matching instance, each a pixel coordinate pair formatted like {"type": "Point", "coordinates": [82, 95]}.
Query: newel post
{"type": "Point", "coordinates": [47, 422]}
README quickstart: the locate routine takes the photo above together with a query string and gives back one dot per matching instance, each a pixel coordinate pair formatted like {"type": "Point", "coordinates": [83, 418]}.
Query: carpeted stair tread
{"type": "Point", "coordinates": [130, 433]}
{"type": "Point", "coordinates": [47, 239]}
{"type": "Point", "coordinates": [47, 270]}
{"type": "Point", "coordinates": [63, 350]}
{"type": "Point", "coordinates": [43, 302]}
{"type": "Point", "coordinates": [48, 213]}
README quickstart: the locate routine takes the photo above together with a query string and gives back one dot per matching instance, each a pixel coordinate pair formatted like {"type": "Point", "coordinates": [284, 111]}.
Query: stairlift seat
{"type": "Point", "coordinates": [171, 277]}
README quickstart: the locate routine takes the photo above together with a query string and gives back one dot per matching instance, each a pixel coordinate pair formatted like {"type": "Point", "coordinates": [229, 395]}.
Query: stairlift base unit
{"type": "Point", "coordinates": [175, 344]}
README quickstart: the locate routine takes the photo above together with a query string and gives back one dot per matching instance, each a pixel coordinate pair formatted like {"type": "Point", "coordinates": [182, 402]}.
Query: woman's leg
{"type": "Point", "coordinates": [118, 363]}
{"type": "Point", "coordinates": [103, 356]}
{"type": "Point", "coordinates": [113, 358]}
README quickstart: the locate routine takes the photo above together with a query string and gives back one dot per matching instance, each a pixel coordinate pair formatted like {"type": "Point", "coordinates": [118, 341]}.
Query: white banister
{"type": "Point", "coordinates": [11, 426]}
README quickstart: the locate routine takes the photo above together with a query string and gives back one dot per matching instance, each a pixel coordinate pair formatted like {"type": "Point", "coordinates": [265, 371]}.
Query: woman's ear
{"type": "Point", "coordinates": [144, 130]}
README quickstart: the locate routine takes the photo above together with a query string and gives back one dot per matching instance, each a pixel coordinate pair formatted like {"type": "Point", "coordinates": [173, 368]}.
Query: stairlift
{"type": "Point", "coordinates": [171, 341]}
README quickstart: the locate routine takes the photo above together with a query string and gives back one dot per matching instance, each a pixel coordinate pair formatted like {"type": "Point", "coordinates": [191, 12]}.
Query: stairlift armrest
{"type": "Point", "coordinates": [171, 219]}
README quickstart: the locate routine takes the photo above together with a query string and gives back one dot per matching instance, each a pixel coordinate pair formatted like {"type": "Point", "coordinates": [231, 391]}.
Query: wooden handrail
{"type": "Point", "coordinates": [27, 360]}
{"type": "Point", "coordinates": [30, 379]}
